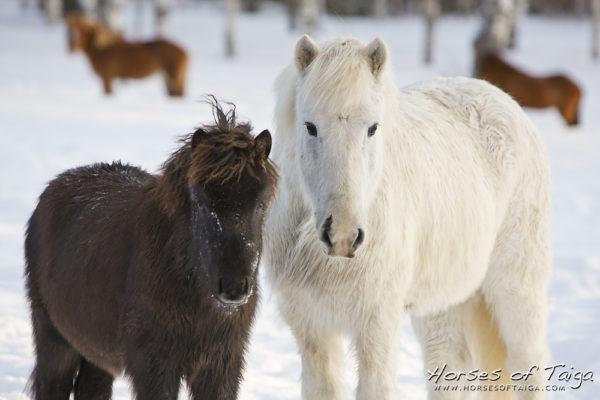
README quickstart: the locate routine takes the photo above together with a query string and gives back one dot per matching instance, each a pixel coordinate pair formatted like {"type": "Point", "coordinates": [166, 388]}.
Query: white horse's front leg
{"type": "Point", "coordinates": [376, 348]}
{"type": "Point", "coordinates": [322, 357]}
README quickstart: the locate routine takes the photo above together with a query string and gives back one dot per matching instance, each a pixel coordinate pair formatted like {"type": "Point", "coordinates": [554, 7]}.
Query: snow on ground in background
{"type": "Point", "coordinates": [53, 117]}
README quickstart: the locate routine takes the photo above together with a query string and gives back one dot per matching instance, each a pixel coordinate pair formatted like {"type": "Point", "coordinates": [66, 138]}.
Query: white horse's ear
{"type": "Point", "coordinates": [377, 54]}
{"type": "Point", "coordinates": [306, 51]}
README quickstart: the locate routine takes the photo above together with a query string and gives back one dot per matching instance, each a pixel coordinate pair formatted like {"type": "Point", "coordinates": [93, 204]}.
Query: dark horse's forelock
{"type": "Point", "coordinates": [217, 154]}
{"type": "Point", "coordinates": [224, 149]}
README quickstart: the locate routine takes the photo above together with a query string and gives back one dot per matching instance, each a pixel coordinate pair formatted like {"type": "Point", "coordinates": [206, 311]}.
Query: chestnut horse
{"type": "Point", "coordinates": [153, 275]}
{"type": "Point", "coordinates": [553, 91]}
{"type": "Point", "coordinates": [113, 57]}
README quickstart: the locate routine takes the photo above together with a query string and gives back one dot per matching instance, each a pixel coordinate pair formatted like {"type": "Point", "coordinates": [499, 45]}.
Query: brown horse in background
{"type": "Point", "coordinates": [113, 57]}
{"type": "Point", "coordinates": [553, 91]}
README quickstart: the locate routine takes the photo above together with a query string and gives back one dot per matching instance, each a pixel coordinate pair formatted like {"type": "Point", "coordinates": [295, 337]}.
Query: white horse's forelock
{"type": "Point", "coordinates": [340, 75]}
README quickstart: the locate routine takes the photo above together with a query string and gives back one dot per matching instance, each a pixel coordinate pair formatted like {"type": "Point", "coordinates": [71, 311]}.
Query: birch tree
{"type": "Point", "coordinates": [310, 15]}
{"type": "Point", "coordinates": [232, 9]}
{"type": "Point", "coordinates": [53, 10]}
{"type": "Point", "coordinates": [520, 10]}
{"type": "Point", "coordinates": [109, 12]}
{"type": "Point", "coordinates": [595, 10]}
{"type": "Point", "coordinates": [495, 33]}
{"type": "Point", "coordinates": [161, 10]}
{"type": "Point", "coordinates": [292, 12]}
{"type": "Point", "coordinates": [432, 10]}
{"type": "Point", "coordinates": [380, 9]}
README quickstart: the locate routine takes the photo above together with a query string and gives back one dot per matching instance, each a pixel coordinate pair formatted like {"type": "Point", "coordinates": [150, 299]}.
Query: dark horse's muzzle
{"type": "Point", "coordinates": [233, 293]}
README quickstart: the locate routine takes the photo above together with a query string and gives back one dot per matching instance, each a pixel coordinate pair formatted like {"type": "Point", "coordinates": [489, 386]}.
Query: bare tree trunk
{"type": "Point", "coordinates": [161, 10]}
{"type": "Point", "coordinates": [381, 9]}
{"type": "Point", "coordinates": [466, 7]}
{"type": "Point", "coordinates": [138, 15]}
{"type": "Point", "coordinates": [109, 12]}
{"type": "Point", "coordinates": [232, 8]}
{"type": "Point", "coordinates": [494, 36]}
{"type": "Point", "coordinates": [310, 15]}
{"type": "Point", "coordinates": [292, 9]}
{"type": "Point", "coordinates": [102, 10]}
{"type": "Point", "coordinates": [595, 10]}
{"type": "Point", "coordinates": [432, 10]}
{"type": "Point", "coordinates": [520, 10]}
{"type": "Point", "coordinates": [251, 5]}
{"type": "Point", "coordinates": [69, 6]}
{"type": "Point", "coordinates": [53, 10]}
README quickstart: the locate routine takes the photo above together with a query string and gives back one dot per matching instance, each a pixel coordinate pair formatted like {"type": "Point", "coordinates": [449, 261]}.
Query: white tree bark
{"type": "Point", "coordinates": [310, 15]}
{"type": "Point", "coordinates": [292, 12]}
{"type": "Point", "coordinates": [53, 10]}
{"type": "Point", "coordinates": [466, 7]}
{"type": "Point", "coordinates": [380, 9]}
{"type": "Point", "coordinates": [432, 10]}
{"type": "Point", "coordinates": [232, 9]}
{"type": "Point", "coordinates": [520, 10]}
{"type": "Point", "coordinates": [138, 18]}
{"type": "Point", "coordinates": [595, 10]}
{"type": "Point", "coordinates": [494, 36]}
{"type": "Point", "coordinates": [161, 10]}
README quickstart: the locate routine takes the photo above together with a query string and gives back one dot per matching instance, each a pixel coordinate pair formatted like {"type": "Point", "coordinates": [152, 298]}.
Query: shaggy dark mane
{"type": "Point", "coordinates": [215, 154]}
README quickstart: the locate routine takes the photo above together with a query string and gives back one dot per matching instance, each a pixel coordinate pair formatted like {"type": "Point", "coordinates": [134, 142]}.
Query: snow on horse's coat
{"type": "Point", "coordinates": [432, 200]}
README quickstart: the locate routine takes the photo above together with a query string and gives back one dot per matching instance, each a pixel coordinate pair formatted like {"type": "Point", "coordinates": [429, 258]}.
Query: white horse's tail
{"type": "Point", "coordinates": [487, 347]}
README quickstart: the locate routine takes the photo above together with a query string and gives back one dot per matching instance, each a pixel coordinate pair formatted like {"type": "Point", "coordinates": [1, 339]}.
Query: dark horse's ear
{"type": "Point", "coordinates": [262, 145]}
{"type": "Point", "coordinates": [199, 135]}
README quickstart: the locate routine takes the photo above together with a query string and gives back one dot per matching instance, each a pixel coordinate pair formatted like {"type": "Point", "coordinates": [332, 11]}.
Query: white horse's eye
{"type": "Point", "coordinates": [311, 128]}
{"type": "Point", "coordinates": [372, 129]}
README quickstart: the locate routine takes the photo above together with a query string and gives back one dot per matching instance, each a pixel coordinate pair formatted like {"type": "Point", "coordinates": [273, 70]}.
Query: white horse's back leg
{"type": "Point", "coordinates": [463, 338]}
{"type": "Point", "coordinates": [515, 290]}
{"type": "Point", "coordinates": [443, 342]}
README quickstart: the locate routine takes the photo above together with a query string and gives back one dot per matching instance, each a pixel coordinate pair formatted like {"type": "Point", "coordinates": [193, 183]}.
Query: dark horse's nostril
{"type": "Point", "coordinates": [233, 294]}
{"type": "Point", "coordinates": [325, 229]}
{"type": "Point", "coordinates": [359, 239]}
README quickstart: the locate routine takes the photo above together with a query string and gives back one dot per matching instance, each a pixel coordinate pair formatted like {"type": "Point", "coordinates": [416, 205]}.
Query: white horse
{"type": "Point", "coordinates": [433, 200]}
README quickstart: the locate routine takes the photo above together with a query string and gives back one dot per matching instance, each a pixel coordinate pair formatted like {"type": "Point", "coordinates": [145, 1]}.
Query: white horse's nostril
{"type": "Point", "coordinates": [360, 237]}
{"type": "Point", "coordinates": [325, 232]}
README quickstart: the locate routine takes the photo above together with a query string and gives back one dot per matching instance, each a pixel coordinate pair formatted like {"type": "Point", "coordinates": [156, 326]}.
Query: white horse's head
{"type": "Point", "coordinates": [340, 103]}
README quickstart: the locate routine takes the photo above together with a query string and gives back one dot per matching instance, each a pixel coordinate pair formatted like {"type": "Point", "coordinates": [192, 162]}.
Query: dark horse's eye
{"type": "Point", "coordinates": [372, 129]}
{"type": "Point", "coordinates": [260, 207]}
{"type": "Point", "coordinates": [311, 128]}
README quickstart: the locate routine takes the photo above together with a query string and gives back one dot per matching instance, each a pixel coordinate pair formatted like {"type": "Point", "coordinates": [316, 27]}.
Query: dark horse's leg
{"type": "Point", "coordinates": [220, 380]}
{"type": "Point", "coordinates": [56, 361]}
{"type": "Point", "coordinates": [92, 383]}
{"type": "Point", "coordinates": [154, 373]}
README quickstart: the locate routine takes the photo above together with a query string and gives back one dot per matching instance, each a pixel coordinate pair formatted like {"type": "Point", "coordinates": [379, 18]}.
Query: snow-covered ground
{"type": "Point", "coordinates": [53, 116]}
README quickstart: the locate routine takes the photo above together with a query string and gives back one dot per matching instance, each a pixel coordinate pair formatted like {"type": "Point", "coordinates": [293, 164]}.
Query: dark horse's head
{"type": "Point", "coordinates": [223, 181]}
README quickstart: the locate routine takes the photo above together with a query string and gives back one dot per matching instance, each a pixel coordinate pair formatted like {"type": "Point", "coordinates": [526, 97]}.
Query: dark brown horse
{"type": "Point", "coordinates": [553, 91]}
{"type": "Point", "coordinates": [153, 275]}
{"type": "Point", "coordinates": [112, 57]}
